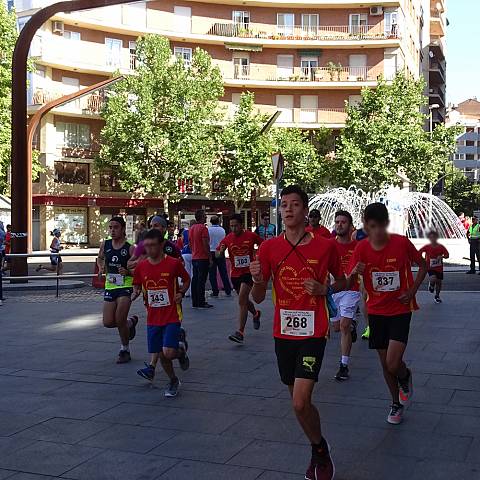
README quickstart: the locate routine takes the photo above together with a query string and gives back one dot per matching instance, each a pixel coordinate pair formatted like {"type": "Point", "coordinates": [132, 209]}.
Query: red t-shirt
{"type": "Point", "coordinates": [8, 242]}
{"type": "Point", "coordinates": [296, 312]}
{"type": "Point", "coordinates": [196, 234]}
{"type": "Point", "coordinates": [387, 274]}
{"type": "Point", "coordinates": [345, 250]}
{"type": "Point", "coordinates": [160, 285]}
{"type": "Point", "coordinates": [241, 251]}
{"type": "Point", "coordinates": [433, 256]}
{"type": "Point", "coordinates": [320, 231]}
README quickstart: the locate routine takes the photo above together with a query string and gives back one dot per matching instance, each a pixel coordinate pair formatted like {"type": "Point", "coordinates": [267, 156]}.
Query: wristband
{"type": "Point", "coordinates": [258, 283]}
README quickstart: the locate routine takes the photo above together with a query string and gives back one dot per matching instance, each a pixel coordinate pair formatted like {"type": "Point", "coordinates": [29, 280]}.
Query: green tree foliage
{"type": "Point", "coordinates": [385, 135]}
{"type": "Point", "coordinates": [160, 121]}
{"type": "Point", "coordinates": [8, 37]}
{"type": "Point", "coordinates": [460, 193]}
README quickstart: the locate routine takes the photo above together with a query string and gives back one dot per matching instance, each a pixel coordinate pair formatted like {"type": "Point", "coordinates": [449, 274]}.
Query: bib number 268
{"type": "Point", "coordinates": [297, 323]}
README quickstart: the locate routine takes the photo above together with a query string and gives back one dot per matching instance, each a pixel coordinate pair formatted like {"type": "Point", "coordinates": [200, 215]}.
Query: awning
{"type": "Point", "coordinates": [310, 53]}
{"type": "Point", "coordinates": [243, 48]}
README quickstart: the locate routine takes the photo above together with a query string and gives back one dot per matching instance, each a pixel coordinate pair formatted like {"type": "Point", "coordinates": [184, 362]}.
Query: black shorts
{"type": "Point", "coordinates": [54, 260]}
{"type": "Point", "coordinates": [385, 328]}
{"type": "Point", "coordinates": [299, 358]}
{"type": "Point", "coordinates": [245, 278]}
{"type": "Point", "coordinates": [435, 273]}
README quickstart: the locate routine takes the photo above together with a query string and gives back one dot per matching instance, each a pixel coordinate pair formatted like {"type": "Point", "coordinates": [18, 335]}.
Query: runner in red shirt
{"type": "Point", "coordinates": [314, 225]}
{"type": "Point", "coordinates": [299, 264]}
{"type": "Point", "coordinates": [434, 255]}
{"type": "Point", "coordinates": [384, 260]}
{"type": "Point", "coordinates": [157, 278]}
{"type": "Point", "coordinates": [241, 250]}
{"type": "Point", "coordinates": [346, 301]}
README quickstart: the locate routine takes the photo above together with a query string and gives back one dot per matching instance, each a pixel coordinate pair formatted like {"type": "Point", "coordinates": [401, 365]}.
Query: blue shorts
{"type": "Point", "coordinates": [54, 260]}
{"type": "Point", "coordinates": [165, 336]}
{"type": "Point", "coordinates": [114, 293]}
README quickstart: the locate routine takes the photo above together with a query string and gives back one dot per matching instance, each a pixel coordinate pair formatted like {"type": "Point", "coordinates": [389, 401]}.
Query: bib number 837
{"type": "Point", "coordinates": [384, 281]}
{"type": "Point", "coordinates": [296, 322]}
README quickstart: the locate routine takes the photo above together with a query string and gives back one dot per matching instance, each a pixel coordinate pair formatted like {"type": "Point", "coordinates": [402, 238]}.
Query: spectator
{"type": "Point", "coordinates": [187, 253]}
{"type": "Point", "coordinates": [2, 246]}
{"type": "Point", "coordinates": [171, 231]}
{"type": "Point", "coordinates": [200, 245]}
{"type": "Point", "coordinates": [217, 234]}
{"type": "Point", "coordinates": [473, 235]}
{"type": "Point", "coordinates": [8, 247]}
{"type": "Point", "coordinates": [266, 230]}
{"type": "Point", "coordinates": [140, 232]}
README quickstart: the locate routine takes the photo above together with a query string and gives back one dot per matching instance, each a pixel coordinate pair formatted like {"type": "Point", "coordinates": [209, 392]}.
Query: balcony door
{"type": "Point", "coordinates": [358, 67]}
{"type": "Point", "coordinates": [284, 67]}
{"type": "Point", "coordinates": [285, 105]}
{"type": "Point", "coordinates": [241, 19]}
{"type": "Point", "coordinates": [71, 85]}
{"type": "Point", "coordinates": [390, 68]}
{"type": "Point", "coordinates": [285, 24]}
{"type": "Point", "coordinates": [241, 67]}
{"type": "Point", "coordinates": [308, 108]}
{"type": "Point", "coordinates": [114, 52]}
{"type": "Point", "coordinates": [358, 23]}
{"type": "Point", "coordinates": [309, 65]}
{"type": "Point", "coordinates": [182, 19]}
{"type": "Point", "coordinates": [310, 24]}
{"type": "Point", "coordinates": [391, 24]}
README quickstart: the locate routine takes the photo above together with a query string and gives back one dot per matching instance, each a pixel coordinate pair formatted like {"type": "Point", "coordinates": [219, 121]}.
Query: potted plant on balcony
{"type": "Point", "coordinates": [334, 69]}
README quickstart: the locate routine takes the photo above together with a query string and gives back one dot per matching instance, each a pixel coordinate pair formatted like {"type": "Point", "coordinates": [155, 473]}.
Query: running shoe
{"type": "Point", "coordinates": [437, 300]}
{"type": "Point", "coordinates": [237, 337]}
{"type": "Point", "coordinates": [256, 320]}
{"type": "Point", "coordinates": [354, 331]}
{"type": "Point", "coordinates": [366, 333]}
{"type": "Point", "coordinates": [405, 387]}
{"type": "Point", "coordinates": [431, 288]}
{"type": "Point", "coordinates": [148, 373]}
{"type": "Point", "coordinates": [124, 356]}
{"type": "Point", "coordinates": [206, 305]}
{"type": "Point", "coordinates": [342, 373]}
{"type": "Point", "coordinates": [172, 388]}
{"type": "Point", "coordinates": [396, 413]}
{"type": "Point", "coordinates": [321, 468]}
{"type": "Point", "coordinates": [133, 328]}
{"type": "Point", "coordinates": [183, 359]}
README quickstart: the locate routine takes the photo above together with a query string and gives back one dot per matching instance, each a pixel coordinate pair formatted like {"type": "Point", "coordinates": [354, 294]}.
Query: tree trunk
{"type": "Point", "coordinates": [253, 206]}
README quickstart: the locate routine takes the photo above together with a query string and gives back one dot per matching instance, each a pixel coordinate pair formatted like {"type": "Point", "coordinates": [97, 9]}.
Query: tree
{"type": "Point", "coordinates": [160, 122]}
{"type": "Point", "coordinates": [460, 193]}
{"type": "Point", "coordinates": [8, 37]}
{"type": "Point", "coordinates": [245, 164]}
{"type": "Point", "coordinates": [385, 135]}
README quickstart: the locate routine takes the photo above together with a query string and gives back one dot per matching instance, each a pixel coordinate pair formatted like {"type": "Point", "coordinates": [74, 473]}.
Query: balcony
{"type": "Point", "coordinates": [312, 117]}
{"type": "Point", "coordinates": [437, 22]}
{"type": "Point", "coordinates": [437, 73]}
{"type": "Point", "coordinates": [300, 77]}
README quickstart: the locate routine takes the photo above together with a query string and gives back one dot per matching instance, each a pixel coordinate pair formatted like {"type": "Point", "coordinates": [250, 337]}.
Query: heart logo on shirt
{"type": "Point", "coordinates": [291, 281]}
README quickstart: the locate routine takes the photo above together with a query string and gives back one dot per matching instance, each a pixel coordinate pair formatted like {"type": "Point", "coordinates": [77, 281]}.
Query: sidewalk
{"type": "Point", "coordinates": [67, 411]}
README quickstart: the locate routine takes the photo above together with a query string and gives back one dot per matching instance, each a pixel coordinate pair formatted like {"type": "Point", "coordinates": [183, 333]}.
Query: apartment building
{"type": "Point", "coordinates": [306, 59]}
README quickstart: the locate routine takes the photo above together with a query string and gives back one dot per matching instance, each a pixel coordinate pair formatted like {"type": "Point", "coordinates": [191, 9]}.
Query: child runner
{"type": "Point", "coordinates": [240, 244]}
{"type": "Point", "coordinates": [299, 264]}
{"type": "Point", "coordinates": [384, 260]}
{"type": "Point", "coordinates": [157, 277]}
{"type": "Point", "coordinates": [435, 253]}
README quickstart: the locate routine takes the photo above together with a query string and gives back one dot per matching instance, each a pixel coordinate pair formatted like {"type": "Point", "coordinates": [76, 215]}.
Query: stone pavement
{"type": "Point", "coordinates": [67, 411]}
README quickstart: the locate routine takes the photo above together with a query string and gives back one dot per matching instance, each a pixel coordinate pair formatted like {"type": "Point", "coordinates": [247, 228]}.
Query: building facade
{"type": "Point", "coordinates": [306, 59]}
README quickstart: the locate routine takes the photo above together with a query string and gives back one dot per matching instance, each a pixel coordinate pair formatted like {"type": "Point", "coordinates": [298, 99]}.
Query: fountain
{"type": "Point", "coordinates": [411, 213]}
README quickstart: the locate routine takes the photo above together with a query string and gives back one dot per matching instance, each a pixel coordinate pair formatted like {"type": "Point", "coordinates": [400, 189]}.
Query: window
{"type": "Point", "coordinates": [284, 67]}
{"type": "Point", "coordinates": [132, 50]}
{"type": "Point", "coordinates": [113, 52]}
{"type": "Point", "coordinates": [391, 24]}
{"type": "Point", "coordinates": [184, 53]}
{"type": "Point", "coordinates": [285, 105]}
{"type": "Point", "coordinates": [470, 143]}
{"type": "Point", "coordinates": [182, 19]}
{"type": "Point", "coordinates": [73, 224]}
{"type": "Point", "coordinates": [308, 108]}
{"type": "Point", "coordinates": [109, 181]}
{"type": "Point", "coordinates": [459, 156]}
{"type": "Point", "coordinates": [72, 172]}
{"type": "Point", "coordinates": [73, 135]}
{"type": "Point", "coordinates": [285, 23]}
{"type": "Point", "coordinates": [354, 100]}
{"type": "Point", "coordinates": [69, 35]}
{"type": "Point", "coordinates": [309, 65]}
{"type": "Point", "coordinates": [310, 23]}
{"type": "Point", "coordinates": [241, 66]}
{"type": "Point", "coordinates": [241, 18]}
{"type": "Point", "coordinates": [358, 67]}
{"type": "Point", "coordinates": [358, 23]}
{"type": "Point", "coordinates": [469, 156]}
{"type": "Point", "coordinates": [470, 130]}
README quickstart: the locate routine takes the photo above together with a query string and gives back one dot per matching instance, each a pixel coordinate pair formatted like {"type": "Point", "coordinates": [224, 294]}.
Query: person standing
{"type": "Point", "coordinates": [217, 234]}
{"type": "Point", "coordinates": [140, 232]}
{"type": "Point", "coordinates": [2, 247]}
{"type": "Point", "coordinates": [473, 235]}
{"type": "Point", "coordinates": [8, 247]}
{"type": "Point", "coordinates": [187, 254]}
{"type": "Point", "coordinates": [199, 241]}
{"type": "Point", "coordinates": [266, 230]}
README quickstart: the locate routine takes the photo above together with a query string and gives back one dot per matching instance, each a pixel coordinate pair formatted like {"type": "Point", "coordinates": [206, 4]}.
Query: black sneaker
{"type": "Point", "coordinates": [206, 305]}
{"type": "Point", "coordinates": [133, 328]}
{"type": "Point", "coordinates": [342, 373]}
{"type": "Point", "coordinates": [183, 359]}
{"type": "Point", "coordinates": [172, 388]}
{"type": "Point", "coordinates": [437, 299]}
{"type": "Point", "coordinates": [470, 272]}
{"type": "Point", "coordinates": [124, 356]}
{"type": "Point", "coordinates": [256, 320]}
{"type": "Point", "coordinates": [354, 331]}
{"type": "Point", "coordinates": [321, 467]}
{"type": "Point", "coordinates": [237, 337]}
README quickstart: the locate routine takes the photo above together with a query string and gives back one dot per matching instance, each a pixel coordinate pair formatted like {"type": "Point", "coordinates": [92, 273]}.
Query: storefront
{"type": "Point", "coordinates": [73, 223]}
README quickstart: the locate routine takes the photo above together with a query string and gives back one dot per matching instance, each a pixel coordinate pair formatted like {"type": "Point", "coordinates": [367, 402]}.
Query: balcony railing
{"type": "Point", "coordinates": [303, 74]}
{"type": "Point", "coordinates": [91, 104]}
{"type": "Point", "coordinates": [291, 32]}
{"type": "Point", "coordinates": [313, 116]}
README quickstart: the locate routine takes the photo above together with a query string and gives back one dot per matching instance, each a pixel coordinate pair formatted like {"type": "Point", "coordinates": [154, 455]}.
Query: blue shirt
{"type": "Point", "coordinates": [266, 232]}
{"type": "Point", "coordinates": [186, 246]}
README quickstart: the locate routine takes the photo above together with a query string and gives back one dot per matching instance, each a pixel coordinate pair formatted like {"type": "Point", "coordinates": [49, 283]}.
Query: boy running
{"type": "Point", "coordinates": [346, 301]}
{"type": "Point", "coordinates": [241, 248]}
{"type": "Point", "coordinates": [435, 253]}
{"type": "Point", "coordinates": [299, 264]}
{"type": "Point", "coordinates": [157, 277]}
{"type": "Point", "coordinates": [384, 260]}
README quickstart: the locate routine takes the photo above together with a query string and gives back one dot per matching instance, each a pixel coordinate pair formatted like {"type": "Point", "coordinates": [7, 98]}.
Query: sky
{"type": "Point", "coordinates": [463, 50]}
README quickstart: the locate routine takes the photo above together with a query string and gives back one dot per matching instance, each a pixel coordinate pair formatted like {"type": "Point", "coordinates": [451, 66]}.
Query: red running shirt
{"type": "Point", "coordinates": [298, 315]}
{"type": "Point", "coordinates": [319, 231]}
{"type": "Point", "coordinates": [241, 251]}
{"type": "Point", "coordinates": [345, 250]}
{"type": "Point", "coordinates": [433, 256]}
{"type": "Point", "coordinates": [160, 285]}
{"type": "Point", "coordinates": [387, 274]}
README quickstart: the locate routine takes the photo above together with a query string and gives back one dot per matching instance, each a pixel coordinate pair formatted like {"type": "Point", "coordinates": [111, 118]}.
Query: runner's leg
{"type": "Point", "coordinates": [390, 379]}
{"type": "Point", "coordinates": [121, 319]}
{"type": "Point", "coordinates": [243, 306]}
{"type": "Point", "coordinates": [346, 339]}
{"type": "Point", "coordinates": [109, 314]}
{"type": "Point", "coordinates": [438, 288]}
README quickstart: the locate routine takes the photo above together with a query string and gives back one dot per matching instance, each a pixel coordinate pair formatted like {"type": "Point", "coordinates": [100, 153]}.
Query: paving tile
{"type": "Point", "coordinates": [11, 423]}
{"type": "Point", "coordinates": [113, 465]}
{"type": "Point", "coordinates": [4, 474]}
{"type": "Point", "coordinates": [459, 425]}
{"type": "Point", "coordinates": [445, 470]}
{"type": "Point", "coordinates": [456, 382]}
{"type": "Point", "coordinates": [78, 408]}
{"type": "Point", "coordinates": [209, 471]}
{"type": "Point", "coordinates": [30, 476]}
{"type": "Point", "coordinates": [134, 414]}
{"type": "Point", "coordinates": [376, 466]}
{"type": "Point", "coordinates": [464, 398]}
{"type": "Point", "coordinates": [280, 476]}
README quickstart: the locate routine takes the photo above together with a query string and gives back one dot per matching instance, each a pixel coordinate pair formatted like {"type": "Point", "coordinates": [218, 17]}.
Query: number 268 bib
{"type": "Point", "coordinates": [298, 323]}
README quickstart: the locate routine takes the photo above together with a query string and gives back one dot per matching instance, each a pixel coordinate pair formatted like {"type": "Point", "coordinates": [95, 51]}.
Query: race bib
{"type": "Point", "coordinates": [386, 281]}
{"type": "Point", "coordinates": [158, 298]}
{"type": "Point", "coordinates": [242, 262]}
{"type": "Point", "coordinates": [299, 323]}
{"type": "Point", "coordinates": [436, 262]}
{"type": "Point", "coordinates": [115, 279]}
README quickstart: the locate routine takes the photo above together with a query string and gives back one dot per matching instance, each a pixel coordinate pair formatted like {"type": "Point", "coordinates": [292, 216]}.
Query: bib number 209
{"type": "Point", "coordinates": [297, 323]}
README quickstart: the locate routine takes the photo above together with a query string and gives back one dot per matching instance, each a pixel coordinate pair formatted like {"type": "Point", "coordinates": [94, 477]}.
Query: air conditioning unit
{"type": "Point", "coordinates": [375, 11]}
{"type": "Point", "coordinates": [57, 27]}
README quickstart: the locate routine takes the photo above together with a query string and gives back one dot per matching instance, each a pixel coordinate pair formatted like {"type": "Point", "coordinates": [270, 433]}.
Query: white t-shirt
{"type": "Point", "coordinates": [217, 234]}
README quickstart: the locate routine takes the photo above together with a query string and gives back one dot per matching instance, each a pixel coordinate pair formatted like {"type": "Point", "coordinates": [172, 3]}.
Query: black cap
{"type": "Point", "coordinates": [314, 213]}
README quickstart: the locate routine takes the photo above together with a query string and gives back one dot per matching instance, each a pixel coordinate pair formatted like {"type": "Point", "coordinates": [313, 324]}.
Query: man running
{"type": "Point", "coordinates": [434, 254]}
{"type": "Point", "coordinates": [314, 225]}
{"type": "Point", "coordinates": [384, 260]}
{"type": "Point", "coordinates": [299, 264]}
{"type": "Point", "coordinates": [112, 260]}
{"type": "Point", "coordinates": [240, 244]}
{"type": "Point", "coordinates": [157, 277]}
{"type": "Point", "coordinates": [346, 301]}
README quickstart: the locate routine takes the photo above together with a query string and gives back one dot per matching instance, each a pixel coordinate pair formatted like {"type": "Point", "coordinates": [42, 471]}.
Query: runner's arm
{"type": "Point", "coordinates": [415, 257]}
{"type": "Point", "coordinates": [261, 272]}
{"type": "Point", "coordinates": [137, 290]}
{"type": "Point", "coordinates": [101, 259]}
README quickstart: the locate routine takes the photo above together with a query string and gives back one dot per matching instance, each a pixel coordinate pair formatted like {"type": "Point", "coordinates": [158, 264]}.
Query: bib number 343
{"type": "Point", "coordinates": [298, 323]}
{"type": "Point", "coordinates": [158, 298]}
{"type": "Point", "coordinates": [386, 281]}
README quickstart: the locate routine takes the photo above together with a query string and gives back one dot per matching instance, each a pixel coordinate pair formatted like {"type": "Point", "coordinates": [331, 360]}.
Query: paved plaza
{"type": "Point", "coordinates": [68, 411]}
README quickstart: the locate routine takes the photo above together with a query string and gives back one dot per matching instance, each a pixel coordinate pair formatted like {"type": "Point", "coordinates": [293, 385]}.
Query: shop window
{"type": "Point", "coordinates": [73, 224]}
{"type": "Point", "coordinates": [72, 172]}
